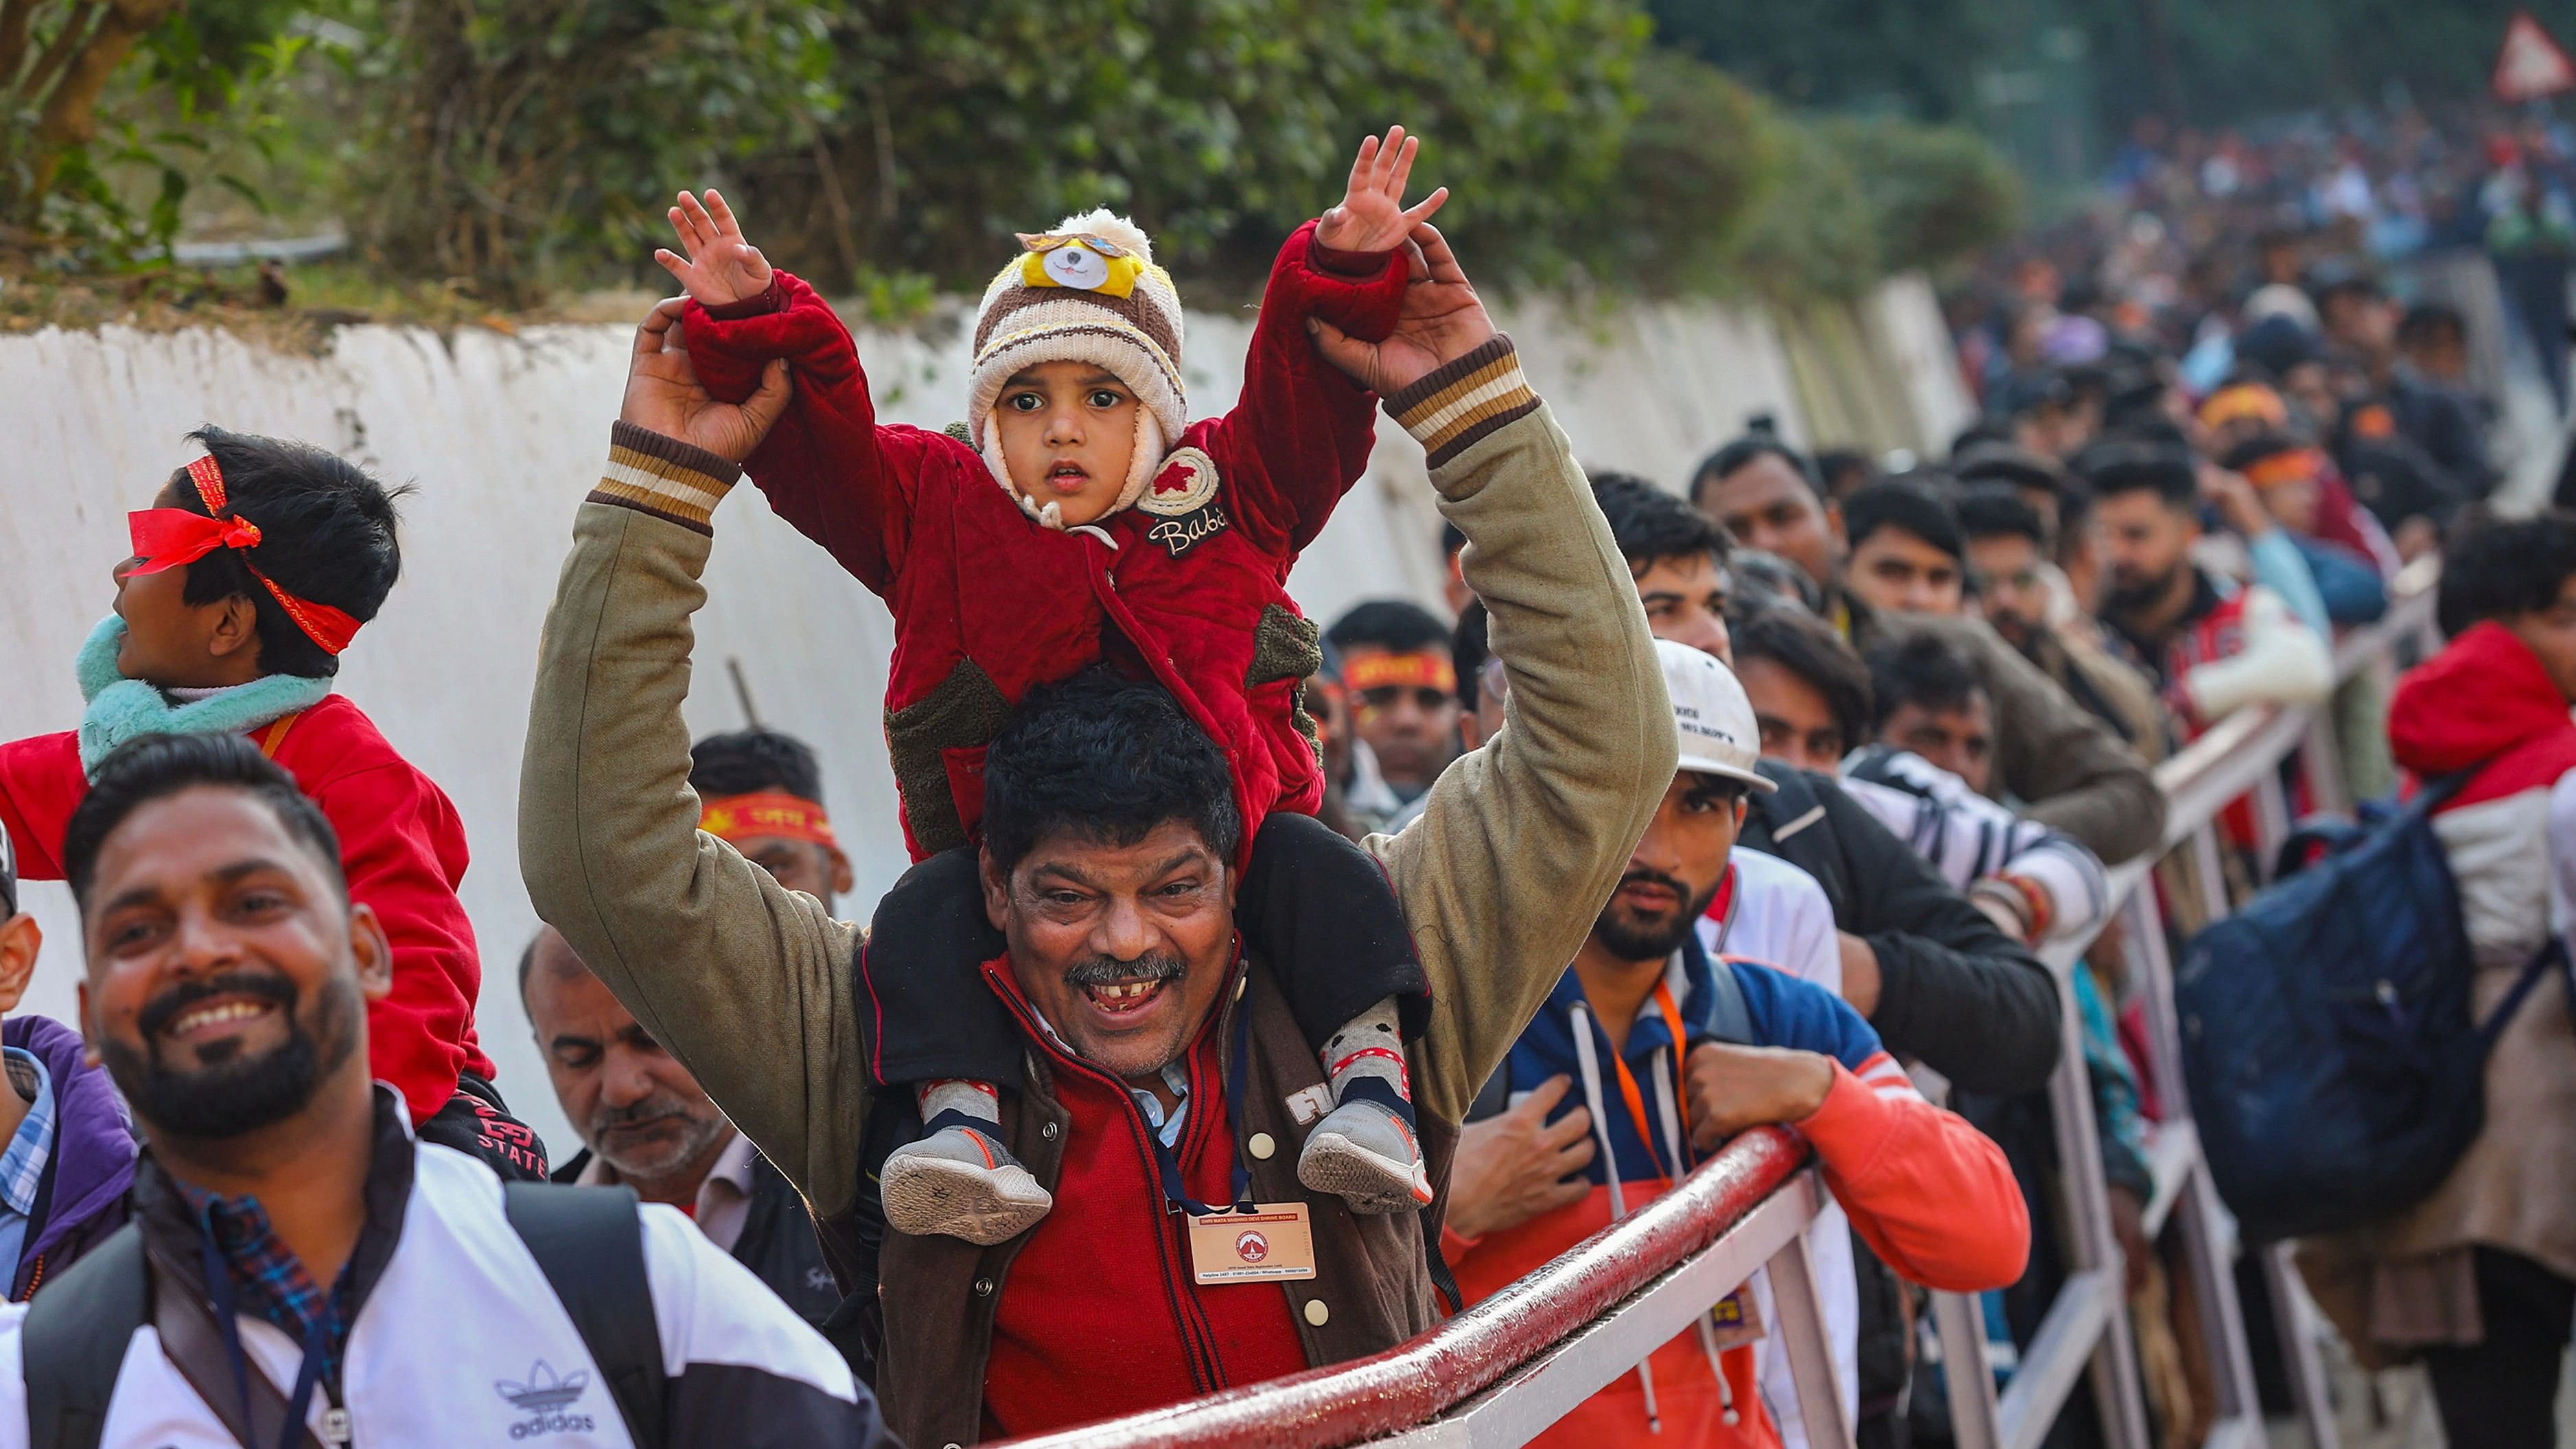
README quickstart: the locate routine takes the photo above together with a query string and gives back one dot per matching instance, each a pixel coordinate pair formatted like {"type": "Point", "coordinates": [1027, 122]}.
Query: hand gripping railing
{"type": "Point", "coordinates": [1500, 1373]}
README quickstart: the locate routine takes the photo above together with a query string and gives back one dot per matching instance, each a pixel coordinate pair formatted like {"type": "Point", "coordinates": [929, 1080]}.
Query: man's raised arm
{"type": "Point", "coordinates": [745, 981]}
{"type": "Point", "coordinates": [1522, 840]}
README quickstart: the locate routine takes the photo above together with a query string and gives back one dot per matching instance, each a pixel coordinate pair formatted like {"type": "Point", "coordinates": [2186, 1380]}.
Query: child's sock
{"type": "Point", "coordinates": [979, 1102]}
{"type": "Point", "coordinates": [1365, 1060]}
{"type": "Point", "coordinates": [1366, 1150]}
{"type": "Point", "coordinates": [958, 1180]}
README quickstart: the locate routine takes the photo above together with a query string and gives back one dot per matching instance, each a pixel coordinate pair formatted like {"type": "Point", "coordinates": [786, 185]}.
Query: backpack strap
{"type": "Point", "coordinates": [2553, 954]}
{"type": "Point", "coordinates": [590, 1243]}
{"type": "Point", "coordinates": [75, 1337]}
{"type": "Point", "coordinates": [248, 1404]}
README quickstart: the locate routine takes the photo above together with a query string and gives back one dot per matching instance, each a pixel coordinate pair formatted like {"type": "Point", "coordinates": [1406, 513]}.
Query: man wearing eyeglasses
{"type": "Point", "coordinates": [1403, 693]}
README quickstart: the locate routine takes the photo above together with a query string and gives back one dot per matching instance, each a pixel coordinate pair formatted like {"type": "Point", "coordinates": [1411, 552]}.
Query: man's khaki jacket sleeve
{"type": "Point", "coordinates": [1522, 841]}
{"type": "Point", "coordinates": [746, 982]}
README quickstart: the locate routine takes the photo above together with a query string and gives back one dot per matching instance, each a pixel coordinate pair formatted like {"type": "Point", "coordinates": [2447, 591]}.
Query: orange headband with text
{"type": "Point", "coordinates": [2294, 465]}
{"type": "Point", "coordinates": [2244, 400]}
{"type": "Point", "coordinates": [1420, 671]}
{"type": "Point", "coordinates": [765, 813]}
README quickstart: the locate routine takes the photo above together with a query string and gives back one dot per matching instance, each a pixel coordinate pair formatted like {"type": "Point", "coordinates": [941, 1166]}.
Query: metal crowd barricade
{"type": "Point", "coordinates": [1501, 1373]}
{"type": "Point", "coordinates": [2086, 1331]}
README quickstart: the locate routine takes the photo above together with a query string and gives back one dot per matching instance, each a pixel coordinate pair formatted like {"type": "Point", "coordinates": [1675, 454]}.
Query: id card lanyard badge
{"type": "Point", "coordinates": [1244, 1242]}
{"type": "Point", "coordinates": [308, 1374]}
{"type": "Point", "coordinates": [1737, 1318]}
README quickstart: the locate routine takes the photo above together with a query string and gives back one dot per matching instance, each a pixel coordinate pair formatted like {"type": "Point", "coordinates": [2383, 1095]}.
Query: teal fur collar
{"type": "Point", "coordinates": [121, 709]}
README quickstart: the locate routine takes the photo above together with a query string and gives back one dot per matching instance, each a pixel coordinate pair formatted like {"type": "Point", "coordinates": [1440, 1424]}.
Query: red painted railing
{"type": "Point", "coordinates": [1419, 1380]}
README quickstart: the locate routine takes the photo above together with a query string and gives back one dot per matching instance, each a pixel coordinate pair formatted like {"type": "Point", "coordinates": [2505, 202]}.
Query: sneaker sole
{"type": "Point", "coordinates": [934, 1197]}
{"type": "Point", "coordinates": [1370, 1182]}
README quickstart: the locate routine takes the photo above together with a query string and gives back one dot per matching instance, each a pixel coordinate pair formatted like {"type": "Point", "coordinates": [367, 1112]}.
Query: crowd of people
{"type": "Point", "coordinates": [1260, 995]}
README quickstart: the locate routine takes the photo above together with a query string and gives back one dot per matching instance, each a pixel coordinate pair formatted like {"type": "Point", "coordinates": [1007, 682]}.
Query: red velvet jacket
{"type": "Point", "coordinates": [1187, 586]}
{"type": "Point", "coordinates": [402, 848]}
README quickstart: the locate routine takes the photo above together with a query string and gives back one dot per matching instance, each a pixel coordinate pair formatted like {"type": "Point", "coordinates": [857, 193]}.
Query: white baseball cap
{"type": "Point", "coordinates": [1712, 715]}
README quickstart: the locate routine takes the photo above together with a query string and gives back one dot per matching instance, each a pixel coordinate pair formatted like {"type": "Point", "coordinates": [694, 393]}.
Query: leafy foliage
{"type": "Point", "coordinates": [1702, 162]}
{"type": "Point", "coordinates": [505, 149]}
{"type": "Point", "coordinates": [518, 142]}
{"type": "Point", "coordinates": [77, 111]}
{"type": "Point", "coordinates": [1938, 194]}
{"type": "Point", "coordinates": [1815, 235]}
{"type": "Point", "coordinates": [1218, 123]}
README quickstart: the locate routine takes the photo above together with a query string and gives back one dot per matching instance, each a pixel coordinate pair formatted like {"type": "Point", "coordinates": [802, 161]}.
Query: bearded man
{"type": "Point", "coordinates": [646, 1123]}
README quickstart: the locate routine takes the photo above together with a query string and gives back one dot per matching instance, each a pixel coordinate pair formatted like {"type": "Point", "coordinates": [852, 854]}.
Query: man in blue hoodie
{"type": "Point", "coordinates": [66, 1146]}
{"type": "Point", "coordinates": [1669, 1051]}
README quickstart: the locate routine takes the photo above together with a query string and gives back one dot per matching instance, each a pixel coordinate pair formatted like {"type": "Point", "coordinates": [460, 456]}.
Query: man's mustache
{"type": "Point", "coordinates": [1109, 971]}
{"type": "Point", "coordinates": [1643, 876]}
{"type": "Point", "coordinates": [651, 1109]}
{"type": "Point", "coordinates": [170, 1005]}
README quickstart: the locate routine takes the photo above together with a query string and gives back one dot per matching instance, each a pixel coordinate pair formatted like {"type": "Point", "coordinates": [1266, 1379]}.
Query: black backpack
{"type": "Point", "coordinates": [587, 1240]}
{"type": "Point", "coordinates": [2335, 1068]}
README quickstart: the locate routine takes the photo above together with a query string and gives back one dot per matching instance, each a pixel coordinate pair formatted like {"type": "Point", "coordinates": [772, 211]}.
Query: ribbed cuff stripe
{"type": "Point", "coordinates": [663, 476]}
{"type": "Point", "coordinates": [1466, 400]}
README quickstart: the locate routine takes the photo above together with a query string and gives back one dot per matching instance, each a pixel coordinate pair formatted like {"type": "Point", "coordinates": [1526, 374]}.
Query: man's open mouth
{"type": "Point", "coordinates": [1118, 998]}
{"type": "Point", "coordinates": [213, 1017]}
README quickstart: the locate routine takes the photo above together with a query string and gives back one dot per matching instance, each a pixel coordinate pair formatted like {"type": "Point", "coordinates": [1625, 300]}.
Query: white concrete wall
{"type": "Point", "coordinates": [503, 436]}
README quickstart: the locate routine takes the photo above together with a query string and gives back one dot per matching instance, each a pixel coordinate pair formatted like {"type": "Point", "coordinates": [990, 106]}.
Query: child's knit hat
{"type": "Point", "coordinates": [1087, 291]}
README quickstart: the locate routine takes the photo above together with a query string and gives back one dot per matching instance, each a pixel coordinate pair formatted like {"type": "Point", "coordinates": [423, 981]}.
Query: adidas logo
{"type": "Point", "coordinates": [544, 1398]}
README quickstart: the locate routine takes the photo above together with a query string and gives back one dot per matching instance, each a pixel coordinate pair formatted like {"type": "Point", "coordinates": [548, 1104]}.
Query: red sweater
{"type": "Point", "coordinates": [988, 604]}
{"type": "Point", "coordinates": [1070, 1346]}
{"type": "Point", "coordinates": [401, 846]}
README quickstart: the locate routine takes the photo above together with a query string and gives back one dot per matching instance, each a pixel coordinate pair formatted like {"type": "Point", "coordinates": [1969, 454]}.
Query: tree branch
{"type": "Point", "coordinates": [71, 112]}
{"type": "Point", "coordinates": [834, 200]}
{"type": "Point", "coordinates": [15, 17]}
{"type": "Point", "coordinates": [59, 51]}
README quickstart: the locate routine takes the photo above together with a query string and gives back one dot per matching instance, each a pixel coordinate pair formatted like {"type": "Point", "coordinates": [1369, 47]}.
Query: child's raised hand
{"type": "Point", "coordinates": [1372, 216]}
{"type": "Point", "coordinates": [663, 393]}
{"type": "Point", "coordinates": [721, 267]}
{"type": "Point", "coordinates": [1442, 321]}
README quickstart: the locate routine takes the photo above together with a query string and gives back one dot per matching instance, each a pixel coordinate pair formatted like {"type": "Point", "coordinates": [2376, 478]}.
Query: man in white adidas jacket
{"type": "Point", "coordinates": [227, 979]}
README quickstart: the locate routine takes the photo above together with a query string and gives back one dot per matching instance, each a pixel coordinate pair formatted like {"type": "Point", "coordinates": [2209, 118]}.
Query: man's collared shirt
{"type": "Point", "coordinates": [1175, 1076]}
{"type": "Point", "coordinates": [723, 1204]}
{"type": "Point", "coordinates": [271, 1281]}
{"type": "Point", "coordinates": [22, 1164]}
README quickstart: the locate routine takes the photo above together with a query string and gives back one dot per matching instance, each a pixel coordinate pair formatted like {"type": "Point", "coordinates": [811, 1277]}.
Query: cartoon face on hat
{"type": "Point", "coordinates": [1084, 263]}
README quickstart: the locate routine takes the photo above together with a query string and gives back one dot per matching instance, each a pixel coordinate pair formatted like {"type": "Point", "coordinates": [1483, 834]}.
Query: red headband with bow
{"type": "Point", "coordinates": [165, 538]}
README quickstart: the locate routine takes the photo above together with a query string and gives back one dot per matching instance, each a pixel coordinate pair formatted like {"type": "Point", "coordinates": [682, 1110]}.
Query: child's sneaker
{"type": "Point", "coordinates": [1365, 1154]}
{"type": "Point", "coordinates": [958, 1182]}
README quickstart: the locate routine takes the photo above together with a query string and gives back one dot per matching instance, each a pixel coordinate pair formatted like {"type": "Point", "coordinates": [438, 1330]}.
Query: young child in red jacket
{"type": "Point", "coordinates": [1077, 516]}
{"type": "Point", "coordinates": [251, 572]}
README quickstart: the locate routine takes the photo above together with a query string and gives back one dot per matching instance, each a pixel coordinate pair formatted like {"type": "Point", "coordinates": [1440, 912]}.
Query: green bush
{"type": "Point", "coordinates": [518, 144]}
{"type": "Point", "coordinates": [1940, 193]}
{"type": "Point", "coordinates": [1218, 124]}
{"type": "Point", "coordinates": [1815, 236]}
{"type": "Point", "coordinates": [1701, 163]}
{"type": "Point", "coordinates": [503, 149]}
